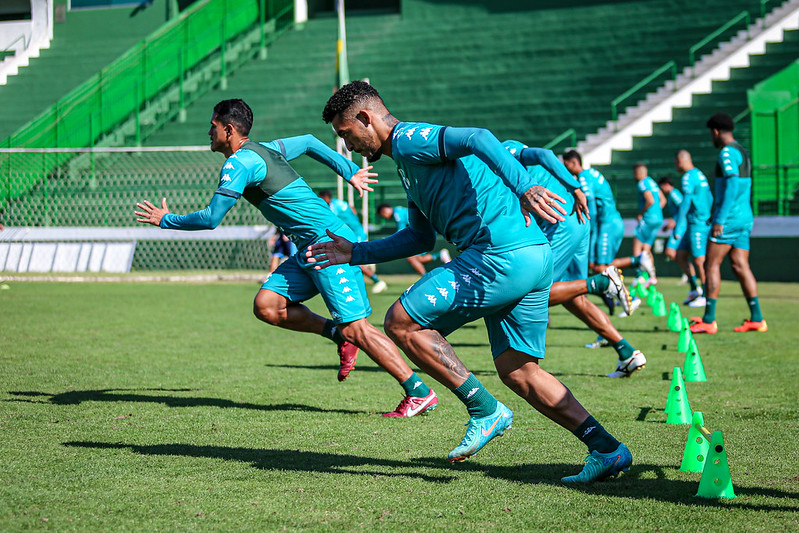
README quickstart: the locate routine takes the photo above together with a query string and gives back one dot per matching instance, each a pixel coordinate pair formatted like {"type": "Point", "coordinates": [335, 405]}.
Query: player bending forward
{"type": "Point", "coordinates": [502, 275]}
{"type": "Point", "coordinates": [260, 173]}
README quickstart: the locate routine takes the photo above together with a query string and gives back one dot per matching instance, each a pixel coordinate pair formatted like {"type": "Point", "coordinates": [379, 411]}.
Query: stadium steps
{"type": "Point", "coordinates": [687, 128]}
{"type": "Point", "coordinates": [81, 46]}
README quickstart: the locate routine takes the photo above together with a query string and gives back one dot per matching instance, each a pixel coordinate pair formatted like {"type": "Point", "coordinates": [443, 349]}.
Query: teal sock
{"type": "Point", "coordinates": [330, 331]}
{"type": "Point", "coordinates": [435, 255]}
{"type": "Point", "coordinates": [710, 311]}
{"type": "Point", "coordinates": [415, 387]}
{"type": "Point", "coordinates": [692, 282]}
{"type": "Point", "coordinates": [374, 278]}
{"type": "Point", "coordinates": [754, 308]}
{"type": "Point", "coordinates": [635, 261]}
{"type": "Point", "coordinates": [478, 401]}
{"type": "Point", "coordinates": [623, 348]}
{"type": "Point", "coordinates": [593, 435]}
{"type": "Point", "coordinates": [597, 284]}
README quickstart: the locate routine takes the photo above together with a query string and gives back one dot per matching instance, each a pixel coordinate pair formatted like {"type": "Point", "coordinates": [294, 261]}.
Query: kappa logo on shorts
{"type": "Point", "coordinates": [340, 271]}
{"type": "Point", "coordinates": [345, 290]}
{"type": "Point", "coordinates": [474, 271]}
{"type": "Point", "coordinates": [455, 285]}
{"type": "Point", "coordinates": [343, 280]}
{"type": "Point", "coordinates": [443, 292]}
{"type": "Point", "coordinates": [349, 299]}
{"type": "Point", "coordinates": [335, 315]}
{"type": "Point", "coordinates": [467, 279]}
{"type": "Point", "coordinates": [431, 299]}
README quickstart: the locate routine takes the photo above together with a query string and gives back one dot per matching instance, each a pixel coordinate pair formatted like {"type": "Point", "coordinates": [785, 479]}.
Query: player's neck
{"type": "Point", "coordinates": [236, 143]}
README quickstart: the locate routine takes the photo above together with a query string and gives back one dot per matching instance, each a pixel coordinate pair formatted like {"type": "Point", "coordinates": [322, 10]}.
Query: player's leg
{"type": "Point", "coordinates": [380, 285]}
{"type": "Point", "coordinates": [716, 252]}
{"type": "Point", "coordinates": [630, 359]}
{"type": "Point", "coordinates": [417, 262]}
{"type": "Point", "coordinates": [739, 260]}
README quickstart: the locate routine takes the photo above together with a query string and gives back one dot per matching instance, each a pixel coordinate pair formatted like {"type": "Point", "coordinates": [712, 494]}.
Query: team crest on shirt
{"type": "Point", "coordinates": [431, 299]}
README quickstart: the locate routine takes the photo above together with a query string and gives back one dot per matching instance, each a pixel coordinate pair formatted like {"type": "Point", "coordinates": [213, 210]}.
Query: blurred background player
{"type": "Point", "coordinates": [399, 215]}
{"type": "Point", "coordinates": [347, 214]}
{"type": "Point", "coordinates": [732, 221]}
{"type": "Point", "coordinates": [670, 201]}
{"type": "Point", "coordinates": [282, 249]}
{"type": "Point", "coordinates": [650, 215]}
{"type": "Point", "coordinates": [570, 241]}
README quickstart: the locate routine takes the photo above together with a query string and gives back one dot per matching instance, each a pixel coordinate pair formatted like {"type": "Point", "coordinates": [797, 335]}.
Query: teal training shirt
{"type": "Point", "coordinates": [733, 187]}
{"type": "Point", "coordinates": [654, 215]}
{"type": "Point", "coordinates": [344, 212]}
{"type": "Point", "coordinates": [697, 201]}
{"type": "Point", "coordinates": [401, 217]}
{"type": "Point", "coordinates": [261, 174]}
{"type": "Point", "coordinates": [465, 200]}
{"type": "Point", "coordinates": [673, 201]}
{"type": "Point", "coordinates": [602, 193]}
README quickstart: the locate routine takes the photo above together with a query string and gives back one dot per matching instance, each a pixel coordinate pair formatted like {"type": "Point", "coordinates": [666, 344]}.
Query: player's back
{"type": "Point", "coordinates": [654, 213]}
{"type": "Point", "coordinates": [695, 183]}
{"type": "Point", "coordinates": [734, 161]}
{"type": "Point", "coordinates": [463, 199]}
{"type": "Point", "coordinates": [603, 196]}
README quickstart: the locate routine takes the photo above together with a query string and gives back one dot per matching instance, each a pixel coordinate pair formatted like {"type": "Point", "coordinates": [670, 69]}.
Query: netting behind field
{"type": "Point", "coordinates": [100, 188]}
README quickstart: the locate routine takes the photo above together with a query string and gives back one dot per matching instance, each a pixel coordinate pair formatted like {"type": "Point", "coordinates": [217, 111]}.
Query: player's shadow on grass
{"type": "Point", "coordinates": [124, 395]}
{"type": "Point", "coordinates": [283, 460]}
{"type": "Point", "coordinates": [370, 368]}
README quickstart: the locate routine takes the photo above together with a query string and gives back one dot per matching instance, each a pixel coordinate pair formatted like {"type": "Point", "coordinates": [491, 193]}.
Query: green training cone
{"type": "Point", "coordinates": [674, 321]}
{"type": "Point", "coordinates": [685, 336]}
{"type": "Point", "coordinates": [652, 296]}
{"type": "Point", "coordinates": [642, 291]}
{"type": "Point", "coordinates": [716, 481]}
{"type": "Point", "coordinates": [693, 370]}
{"type": "Point", "coordinates": [679, 410]}
{"type": "Point", "coordinates": [696, 447]}
{"type": "Point", "coordinates": [659, 309]}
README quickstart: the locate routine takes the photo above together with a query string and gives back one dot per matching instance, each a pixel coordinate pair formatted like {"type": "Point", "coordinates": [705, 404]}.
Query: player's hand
{"type": "Point", "coordinates": [580, 205]}
{"type": "Point", "coordinates": [717, 230]}
{"type": "Point", "coordinates": [543, 203]}
{"type": "Point", "coordinates": [362, 178]}
{"type": "Point", "coordinates": [151, 214]}
{"type": "Point", "coordinates": [335, 252]}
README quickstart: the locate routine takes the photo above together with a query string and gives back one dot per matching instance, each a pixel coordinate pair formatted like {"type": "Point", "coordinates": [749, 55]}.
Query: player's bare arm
{"type": "Point", "coordinates": [328, 253]}
{"type": "Point", "coordinates": [580, 205]}
{"type": "Point", "coordinates": [544, 203]}
{"type": "Point", "coordinates": [151, 214]}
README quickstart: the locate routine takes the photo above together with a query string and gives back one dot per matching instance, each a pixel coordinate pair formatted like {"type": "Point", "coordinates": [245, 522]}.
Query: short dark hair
{"type": "Point", "coordinates": [236, 112]}
{"type": "Point", "coordinates": [666, 180]}
{"type": "Point", "coordinates": [350, 94]}
{"type": "Point", "coordinates": [721, 122]}
{"type": "Point", "coordinates": [325, 193]}
{"type": "Point", "coordinates": [639, 164]}
{"type": "Point", "coordinates": [573, 154]}
{"type": "Point", "coordinates": [383, 206]}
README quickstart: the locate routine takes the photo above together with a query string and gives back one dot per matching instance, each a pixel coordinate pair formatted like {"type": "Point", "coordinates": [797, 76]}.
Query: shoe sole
{"type": "Point", "coordinates": [466, 456]}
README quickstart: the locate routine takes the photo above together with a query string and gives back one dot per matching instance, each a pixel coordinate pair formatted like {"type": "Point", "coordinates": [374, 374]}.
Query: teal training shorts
{"type": "Point", "coordinates": [341, 286]}
{"type": "Point", "coordinates": [509, 290]}
{"type": "Point", "coordinates": [735, 235]}
{"type": "Point", "coordinates": [646, 233]}
{"type": "Point", "coordinates": [608, 241]}
{"type": "Point", "coordinates": [570, 244]}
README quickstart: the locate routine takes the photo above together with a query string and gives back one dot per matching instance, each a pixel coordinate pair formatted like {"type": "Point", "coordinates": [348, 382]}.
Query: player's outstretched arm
{"type": "Point", "coordinates": [208, 218]}
{"type": "Point", "coordinates": [150, 214]}
{"type": "Point", "coordinates": [293, 147]}
{"type": "Point", "coordinates": [361, 180]}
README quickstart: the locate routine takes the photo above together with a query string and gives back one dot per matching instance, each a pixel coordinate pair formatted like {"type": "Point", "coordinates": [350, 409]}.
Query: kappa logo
{"type": "Point", "coordinates": [340, 271]}
{"type": "Point", "coordinates": [425, 132]}
{"type": "Point", "coordinates": [349, 299]}
{"type": "Point", "coordinates": [472, 392]}
{"type": "Point", "coordinates": [417, 384]}
{"type": "Point", "coordinates": [455, 285]}
{"type": "Point", "coordinates": [410, 132]}
{"type": "Point", "coordinates": [405, 182]}
{"type": "Point", "coordinates": [228, 166]}
{"type": "Point", "coordinates": [345, 290]}
{"type": "Point", "coordinates": [335, 315]}
{"type": "Point", "coordinates": [443, 292]}
{"type": "Point", "coordinates": [467, 279]}
{"type": "Point", "coordinates": [474, 271]}
{"type": "Point", "coordinates": [226, 177]}
{"type": "Point", "coordinates": [431, 299]}
{"type": "Point", "coordinates": [588, 430]}
{"type": "Point", "coordinates": [343, 280]}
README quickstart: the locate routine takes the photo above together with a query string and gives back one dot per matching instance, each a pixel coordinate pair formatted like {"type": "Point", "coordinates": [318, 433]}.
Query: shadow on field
{"type": "Point", "coordinates": [123, 395]}
{"type": "Point", "coordinates": [281, 460]}
{"type": "Point", "coordinates": [365, 368]}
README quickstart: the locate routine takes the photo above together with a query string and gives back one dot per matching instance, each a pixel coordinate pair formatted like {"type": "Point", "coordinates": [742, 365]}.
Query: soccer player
{"type": "Point", "coordinates": [503, 273]}
{"type": "Point", "coordinates": [650, 215]}
{"type": "Point", "coordinates": [399, 215]}
{"type": "Point", "coordinates": [732, 221]}
{"type": "Point", "coordinates": [570, 241]}
{"type": "Point", "coordinates": [282, 249]}
{"type": "Point", "coordinates": [347, 214]}
{"type": "Point", "coordinates": [260, 173]}
{"type": "Point", "coordinates": [692, 224]}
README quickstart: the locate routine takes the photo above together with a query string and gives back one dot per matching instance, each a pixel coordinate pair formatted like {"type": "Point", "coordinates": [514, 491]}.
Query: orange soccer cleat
{"type": "Point", "coordinates": [705, 327]}
{"type": "Point", "coordinates": [749, 325]}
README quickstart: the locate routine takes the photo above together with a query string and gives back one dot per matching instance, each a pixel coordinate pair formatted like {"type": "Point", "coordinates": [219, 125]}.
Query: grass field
{"type": "Point", "coordinates": [168, 407]}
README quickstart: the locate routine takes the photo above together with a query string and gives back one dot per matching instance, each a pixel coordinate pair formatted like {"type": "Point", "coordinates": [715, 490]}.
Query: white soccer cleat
{"type": "Point", "coordinates": [617, 289]}
{"type": "Point", "coordinates": [635, 304]}
{"type": "Point", "coordinates": [699, 302]}
{"type": "Point", "coordinates": [648, 265]}
{"type": "Point", "coordinates": [379, 287]}
{"type": "Point", "coordinates": [692, 295]}
{"type": "Point", "coordinates": [600, 342]}
{"type": "Point", "coordinates": [444, 255]}
{"type": "Point", "coordinates": [625, 368]}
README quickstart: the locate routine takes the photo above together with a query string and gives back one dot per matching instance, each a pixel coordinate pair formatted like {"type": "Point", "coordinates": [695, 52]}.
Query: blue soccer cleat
{"type": "Point", "coordinates": [481, 430]}
{"type": "Point", "coordinates": [602, 465]}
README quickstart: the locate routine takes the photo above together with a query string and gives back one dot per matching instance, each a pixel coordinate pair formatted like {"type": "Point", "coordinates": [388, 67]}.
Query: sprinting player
{"type": "Point", "coordinates": [692, 223]}
{"type": "Point", "coordinates": [503, 273]}
{"type": "Point", "coordinates": [570, 241]}
{"type": "Point", "coordinates": [347, 214]}
{"type": "Point", "coordinates": [732, 221]}
{"type": "Point", "coordinates": [260, 173]}
{"type": "Point", "coordinates": [609, 230]}
{"type": "Point", "coordinates": [399, 215]}
{"type": "Point", "coordinates": [282, 249]}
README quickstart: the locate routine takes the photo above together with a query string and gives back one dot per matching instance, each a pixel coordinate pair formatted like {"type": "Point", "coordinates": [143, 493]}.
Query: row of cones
{"type": "Point", "coordinates": [704, 452]}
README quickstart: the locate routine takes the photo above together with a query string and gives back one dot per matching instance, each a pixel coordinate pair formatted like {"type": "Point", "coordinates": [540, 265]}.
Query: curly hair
{"type": "Point", "coordinates": [235, 112]}
{"type": "Point", "coordinates": [349, 95]}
